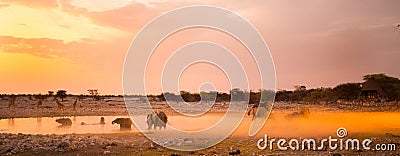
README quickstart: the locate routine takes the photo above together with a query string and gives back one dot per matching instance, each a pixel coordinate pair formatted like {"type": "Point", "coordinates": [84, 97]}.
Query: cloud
{"type": "Point", "coordinates": [36, 3]}
{"type": "Point", "coordinates": [128, 18]}
{"type": "Point", "coordinates": [52, 23]}
{"type": "Point", "coordinates": [42, 47]}
{"type": "Point", "coordinates": [100, 5]}
{"type": "Point", "coordinates": [97, 54]}
{"type": "Point", "coordinates": [312, 43]}
{"type": "Point", "coordinates": [4, 5]}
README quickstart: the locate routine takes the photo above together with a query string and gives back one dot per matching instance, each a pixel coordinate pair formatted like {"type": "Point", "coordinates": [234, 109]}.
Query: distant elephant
{"type": "Point", "coordinates": [159, 119]}
{"type": "Point", "coordinates": [257, 111]}
{"type": "Point", "coordinates": [124, 123]}
{"type": "Point", "coordinates": [64, 121]}
{"type": "Point", "coordinates": [102, 121]}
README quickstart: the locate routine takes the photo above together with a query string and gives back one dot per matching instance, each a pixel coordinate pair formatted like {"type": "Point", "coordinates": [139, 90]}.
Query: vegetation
{"type": "Point", "coordinates": [390, 85]}
{"type": "Point", "coordinates": [343, 92]}
{"type": "Point", "coordinates": [62, 94]}
{"type": "Point", "coordinates": [349, 92]}
{"type": "Point", "coordinates": [50, 93]}
{"type": "Point", "coordinates": [95, 94]}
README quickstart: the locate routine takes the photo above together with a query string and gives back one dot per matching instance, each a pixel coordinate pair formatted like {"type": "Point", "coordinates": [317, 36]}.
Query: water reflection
{"type": "Point", "coordinates": [11, 122]}
{"type": "Point", "coordinates": [317, 124]}
{"type": "Point", "coordinates": [39, 121]}
{"type": "Point", "coordinates": [48, 125]}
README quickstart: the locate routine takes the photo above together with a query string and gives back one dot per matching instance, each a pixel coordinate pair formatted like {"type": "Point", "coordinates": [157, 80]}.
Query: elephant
{"type": "Point", "coordinates": [124, 123]}
{"type": "Point", "coordinates": [159, 119]}
{"type": "Point", "coordinates": [102, 121]}
{"type": "Point", "coordinates": [64, 121]}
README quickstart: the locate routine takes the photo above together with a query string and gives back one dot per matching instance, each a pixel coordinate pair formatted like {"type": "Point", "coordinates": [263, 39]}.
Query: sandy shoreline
{"type": "Point", "coordinates": [25, 108]}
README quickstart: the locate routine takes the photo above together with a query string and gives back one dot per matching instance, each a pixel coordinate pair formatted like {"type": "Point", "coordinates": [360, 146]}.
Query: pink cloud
{"type": "Point", "coordinates": [130, 17]}
{"type": "Point", "coordinates": [43, 47]}
{"type": "Point", "coordinates": [35, 3]}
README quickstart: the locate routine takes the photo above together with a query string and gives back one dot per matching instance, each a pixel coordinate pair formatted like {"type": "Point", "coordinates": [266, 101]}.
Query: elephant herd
{"type": "Point", "coordinates": [156, 119]}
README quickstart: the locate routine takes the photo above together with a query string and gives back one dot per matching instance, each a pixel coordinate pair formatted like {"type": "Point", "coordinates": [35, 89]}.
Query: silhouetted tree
{"type": "Point", "coordinates": [390, 85]}
{"type": "Point", "coordinates": [238, 95]}
{"type": "Point", "coordinates": [267, 95]}
{"type": "Point", "coordinates": [223, 97]}
{"type": "Point", "coordinates": [168, 96]}
{"type": "Point", "coordinates": [283, 95]}
{"type": "Point", "coordinates": [62, 94]}
{"type": "Point", "coordinates": [208, 96]}
{"type": "Point", "coordinates": [348, 91]}
{"type": "Point", "coordinates": [188, 97]}
{"type": "Point", "coordinates": [50, 93]}
{"type": "Point", "coordinates": [254, 97]}
{"type": "Point", "coordinates": [300, 88]}
{"type": "Point", "coordinates": [94, 93]}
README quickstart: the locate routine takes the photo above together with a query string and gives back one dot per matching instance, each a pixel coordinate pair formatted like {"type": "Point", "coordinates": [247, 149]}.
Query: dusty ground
{"type": "Point", "coordinates": [136, 144]}
{"type": "Point", "coordinates": [27, 107]}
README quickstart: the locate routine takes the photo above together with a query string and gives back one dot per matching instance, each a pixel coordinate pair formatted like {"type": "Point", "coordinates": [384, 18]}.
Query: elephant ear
{"type": "Point", "coordinates": [130, 121]}
{"type": "Point", "coordinates": [163, 116]}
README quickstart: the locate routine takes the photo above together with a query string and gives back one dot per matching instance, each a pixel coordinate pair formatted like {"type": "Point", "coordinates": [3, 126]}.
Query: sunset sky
{"type": "Point", "coordinates": [78, 44]}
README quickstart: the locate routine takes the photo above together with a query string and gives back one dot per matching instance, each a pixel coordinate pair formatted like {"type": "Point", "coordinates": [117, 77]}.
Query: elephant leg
{"type": "Point", "coordinates": [148, 125]}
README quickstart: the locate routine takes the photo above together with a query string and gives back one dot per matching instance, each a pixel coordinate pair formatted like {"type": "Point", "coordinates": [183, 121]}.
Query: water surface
{"type": "Point", "coordinates": [317, 124]}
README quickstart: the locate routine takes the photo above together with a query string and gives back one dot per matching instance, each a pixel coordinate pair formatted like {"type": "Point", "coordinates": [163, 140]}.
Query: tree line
{"type": "Point", "coordinates": [350, 92]}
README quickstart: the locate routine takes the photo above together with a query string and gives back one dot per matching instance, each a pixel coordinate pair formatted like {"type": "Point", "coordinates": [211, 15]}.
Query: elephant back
{"type": "Point", "coordinates": [163, 117]}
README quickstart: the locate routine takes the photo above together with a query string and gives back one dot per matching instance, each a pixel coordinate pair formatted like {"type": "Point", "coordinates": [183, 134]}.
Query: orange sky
{"type": "Point", "coordinates": [78, 45]}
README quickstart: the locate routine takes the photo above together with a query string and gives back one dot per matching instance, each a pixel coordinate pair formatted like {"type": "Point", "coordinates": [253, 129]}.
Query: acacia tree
{"type": "Point", "coordinates": [94, 93]}
{"type": "Point", "coordinates": [348, 91]}
{"type": "Point", "coordinates": [62, 94]}
{"type": "Point", "coordinates": [390, 85]}
{"type": "Point", "coordinates": [239, 95]}
{"type": "Point", "coordinates": [187, 96]}
{"type": "Point", "coordinates": [208, 96]}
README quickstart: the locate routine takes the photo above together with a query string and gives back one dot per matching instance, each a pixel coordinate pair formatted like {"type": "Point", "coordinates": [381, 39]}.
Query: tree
{"type": "Point", "coordinates": [168, 96]}
{"type": "Point", "coordinates": [267, 95]}
{"type": "Point", "coordinates": [390, 85]}
{"type": "Point", "coordinates": [254, 97]}
{"type": "Point", "coordinates": [51, 93]}
{"type": "Point", "coordinates": [223, 97]}
{"type": "Point", "coordinates": [239, 95]}
{"type": "Point", "coordinates": [94, 93]}
{"type": "Point", "coordinates": [208, 96]}
{"type": "Point", "coordinates": [283, 95]}
{"type": "Point", "coordinates": [187, 96]}
{"type": "Point", "coordinates": [348, 91]}
{"type": "Point", "coordinates": [300, 88]}
{"type": "Point", "coordinates": [62, 94]}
